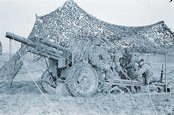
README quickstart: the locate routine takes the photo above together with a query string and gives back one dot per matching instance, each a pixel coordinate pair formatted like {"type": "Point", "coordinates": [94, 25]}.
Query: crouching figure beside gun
{"type": "Point", "coordinates": [144, 72]}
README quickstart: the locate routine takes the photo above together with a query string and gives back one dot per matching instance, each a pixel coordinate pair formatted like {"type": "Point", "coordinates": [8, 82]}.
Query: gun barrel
{"type": "Point", "coordinates": [54, 45]}
{"type": "Point", "coordinates": [19, 39]}
{"type": "Point", "coordinates": [15, 37]}
{"type": "Point", "coordinates": [43, 48]}
{"type": "Point", "coordinates": [31, 43]}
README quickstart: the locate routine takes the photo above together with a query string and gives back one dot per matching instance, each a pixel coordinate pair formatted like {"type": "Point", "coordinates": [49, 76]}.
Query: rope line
{"type": "Point", "coordinates": [156, 113]}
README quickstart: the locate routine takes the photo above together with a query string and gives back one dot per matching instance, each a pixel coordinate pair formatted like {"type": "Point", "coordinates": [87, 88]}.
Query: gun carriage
{"type": "Point", "coordinates": [83, 74]}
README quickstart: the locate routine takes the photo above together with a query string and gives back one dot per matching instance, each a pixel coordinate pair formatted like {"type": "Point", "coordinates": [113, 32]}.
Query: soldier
{"type": "Point", "coordinates": [144, 72]}
{"type": "Point", "coordinates": [127, 63]}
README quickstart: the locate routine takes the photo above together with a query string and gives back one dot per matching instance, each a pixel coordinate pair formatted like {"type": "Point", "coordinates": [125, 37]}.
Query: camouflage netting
{"type": "Point", "coordinates": [71, 21]}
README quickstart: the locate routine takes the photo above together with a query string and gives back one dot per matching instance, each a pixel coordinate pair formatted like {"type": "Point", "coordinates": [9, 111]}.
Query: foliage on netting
{"type": "Point", "coordinates": [70, 20]}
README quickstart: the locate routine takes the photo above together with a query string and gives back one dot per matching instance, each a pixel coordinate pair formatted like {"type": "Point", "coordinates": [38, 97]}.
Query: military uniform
{"type": "Point", "coordinates": [127, 63]}
{"type": "Point", "coordinates": [143, 73]}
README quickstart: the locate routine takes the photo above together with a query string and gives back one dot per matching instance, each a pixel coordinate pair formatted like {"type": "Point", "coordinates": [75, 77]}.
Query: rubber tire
{"type": "Point", "coordinates": [76, 77]}
{"type": "Point", "coordinates": [45, 86]}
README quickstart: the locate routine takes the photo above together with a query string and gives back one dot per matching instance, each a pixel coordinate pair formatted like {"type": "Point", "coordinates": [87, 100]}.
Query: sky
{"type": "Point", "coordinates": [18, 16]}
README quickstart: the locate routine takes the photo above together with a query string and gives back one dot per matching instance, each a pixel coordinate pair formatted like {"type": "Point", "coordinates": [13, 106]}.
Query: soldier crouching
{"type": "Point", "coordinates": [144, 73]}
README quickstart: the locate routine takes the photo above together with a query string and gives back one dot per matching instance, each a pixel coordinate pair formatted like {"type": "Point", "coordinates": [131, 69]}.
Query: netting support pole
{"type": "Point", "coordinates": [165, 71]}
{"type": "Point", "coordinates": [165, 51]}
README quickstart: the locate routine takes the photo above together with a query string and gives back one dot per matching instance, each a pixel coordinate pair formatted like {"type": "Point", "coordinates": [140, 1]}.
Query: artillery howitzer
{"type": "Point", "coordinates": [83, 77]}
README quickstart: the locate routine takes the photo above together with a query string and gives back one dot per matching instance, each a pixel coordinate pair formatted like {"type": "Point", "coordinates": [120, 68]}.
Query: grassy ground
{"type": "Point", "coordinates": [26, 99]}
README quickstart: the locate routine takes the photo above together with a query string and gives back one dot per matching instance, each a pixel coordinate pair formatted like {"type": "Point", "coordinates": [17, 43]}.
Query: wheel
{"type": "Point", "coordinates": [48, 84]}
{"type": "Point", "coordinates": [82, 80]}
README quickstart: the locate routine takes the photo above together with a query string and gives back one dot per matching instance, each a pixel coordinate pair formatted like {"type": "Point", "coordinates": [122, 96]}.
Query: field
{"type": "Point", "coordinates": [25, 97]}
